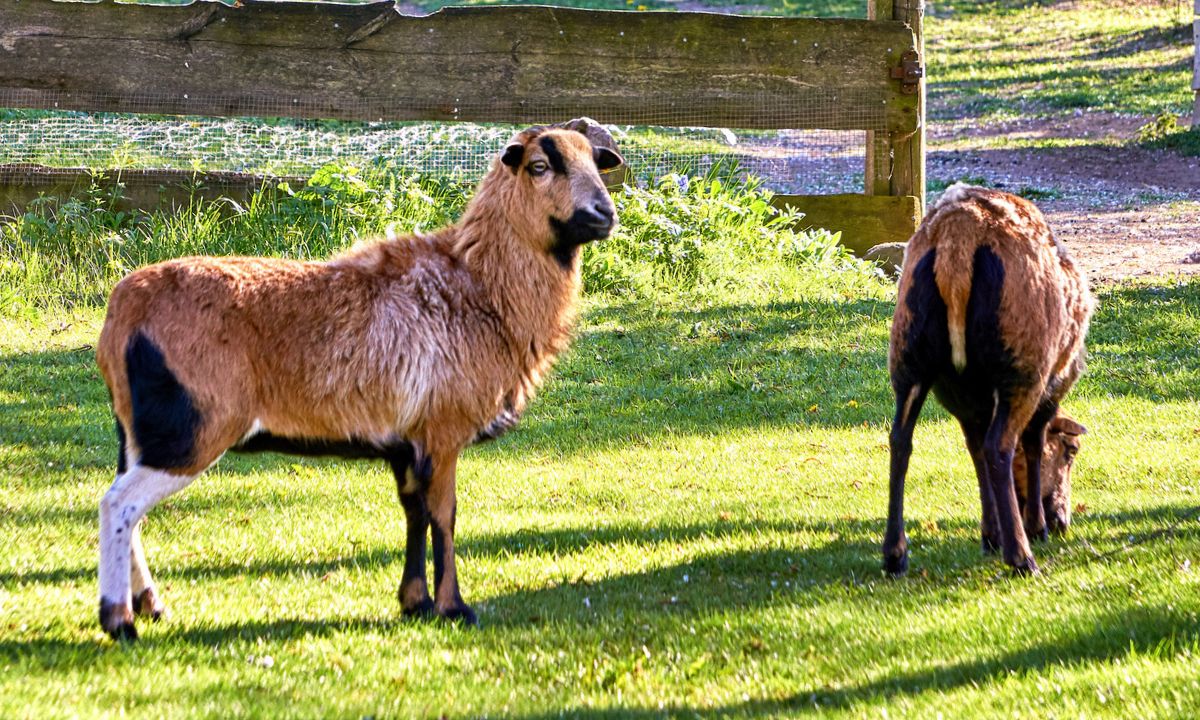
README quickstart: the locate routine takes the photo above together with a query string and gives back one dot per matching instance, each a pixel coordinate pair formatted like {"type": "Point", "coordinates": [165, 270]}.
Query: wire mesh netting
{"type": "Point", "coordinates": [792, 161]}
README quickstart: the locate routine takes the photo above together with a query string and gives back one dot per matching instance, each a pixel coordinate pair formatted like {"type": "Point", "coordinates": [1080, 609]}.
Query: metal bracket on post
{"type": "Point", "coordinates": [909, 72]}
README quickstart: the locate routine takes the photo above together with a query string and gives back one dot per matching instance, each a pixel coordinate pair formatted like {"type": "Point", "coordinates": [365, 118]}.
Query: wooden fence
{"type": "Point", "coordinates": [1196, 65]}
{"type": "Point", "coordinates": [497, 64]}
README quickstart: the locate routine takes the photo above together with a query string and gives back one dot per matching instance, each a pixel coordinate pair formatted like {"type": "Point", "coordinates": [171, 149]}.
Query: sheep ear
{"type": "Point", "coordinates": [606, 159]}
{"type": "Point", "coordinates": [513, 154]}
{"type": "Point", "coordinates": [1067, 426]}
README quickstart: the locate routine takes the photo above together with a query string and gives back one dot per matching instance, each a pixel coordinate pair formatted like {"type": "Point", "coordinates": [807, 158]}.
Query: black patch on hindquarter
{"type": "Point", "coordinates": [121, 445]}
{"type": "Point", "coordinates": [553, 155]}
{"type": "Point", "coordinates": [926, 351]}
{"type": "Point", "coordinates": [969, 396]}
{"type": "Point", "coordinates": [165, 420]}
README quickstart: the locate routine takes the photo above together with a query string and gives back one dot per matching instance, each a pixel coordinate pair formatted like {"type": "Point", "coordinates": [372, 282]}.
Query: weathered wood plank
{"type": "Point", "coordinates": [879, 147]}
{"type": "Point", "coordinates": [864, 220]}
{"type": "Point", "coordinates": [1196, 65]}
{"type": "Point", "coordinates": [139, 189]}
{"type": "Point", "coordinates": [908, 148]}
{"type": "Point", "coordinates": [496, 64]}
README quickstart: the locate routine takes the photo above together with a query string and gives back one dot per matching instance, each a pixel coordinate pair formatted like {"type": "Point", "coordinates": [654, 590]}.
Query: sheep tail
{"type": "Point", "coordinates": [953, 268]}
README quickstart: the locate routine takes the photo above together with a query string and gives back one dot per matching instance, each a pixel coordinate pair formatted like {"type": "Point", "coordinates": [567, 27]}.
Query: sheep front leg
{"type": "Point", "coordinates": [1033, 439]}
{"type": "Point", "coordinates": [440, 500]}
{"type": "Point", "coordinates": [411, 484]}
{"type": "Point", "coordinates": [998, 449]}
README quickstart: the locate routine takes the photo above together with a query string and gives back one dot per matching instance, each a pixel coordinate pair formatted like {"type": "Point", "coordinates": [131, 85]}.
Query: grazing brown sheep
{"type": "Point", "coordinates": [991, 315]}
{"type": "Point", "coordinates": [406, 349]}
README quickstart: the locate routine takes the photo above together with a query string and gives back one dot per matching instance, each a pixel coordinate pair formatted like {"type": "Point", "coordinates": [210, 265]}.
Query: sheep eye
{"type": "Point", "coordinates": [538, 167]}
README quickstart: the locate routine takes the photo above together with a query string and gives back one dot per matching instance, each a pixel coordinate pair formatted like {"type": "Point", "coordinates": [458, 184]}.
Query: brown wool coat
{"type": "Point", "coordinates": [1045, 307]}
{"type": "Point", "coordinates": [451, 325]}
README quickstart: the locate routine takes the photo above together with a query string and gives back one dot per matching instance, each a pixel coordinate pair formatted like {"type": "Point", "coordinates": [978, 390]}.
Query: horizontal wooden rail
{"type": "Point", "coordinates": [863, 220]}
{"type": "Point", "coordinates": [494, 64]}
{"type": "Point", "coordinates": [130, 189]}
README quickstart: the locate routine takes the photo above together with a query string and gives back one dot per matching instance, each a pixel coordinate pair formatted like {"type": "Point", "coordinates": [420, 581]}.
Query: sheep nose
{"type": "Point", "coordinates": [602, 214]}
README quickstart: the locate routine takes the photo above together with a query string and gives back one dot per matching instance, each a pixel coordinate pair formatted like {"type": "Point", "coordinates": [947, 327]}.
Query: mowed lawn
{"type": "Point", "coordinates": [687, 524]}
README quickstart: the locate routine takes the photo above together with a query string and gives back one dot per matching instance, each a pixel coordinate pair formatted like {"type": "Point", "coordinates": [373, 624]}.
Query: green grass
{"type": "Point", "coordinates": [1007, 59]}
{"type": "Point", "coordinates": [703, 233]}
{"type": "Point", "coordinates": [687, 524]}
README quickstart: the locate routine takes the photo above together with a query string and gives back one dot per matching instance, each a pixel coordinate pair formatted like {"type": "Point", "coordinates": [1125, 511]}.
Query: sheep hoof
{"type": "Point", "coordinates": [422, 610]}
{"type": "Point", "coordinates": [148, 604]}
{"type": "Point", "coordinates": [1025, 568]}
{"type": "Point", "coordinates": [461, 613]}
{"type": "Point", "coordinates": [1037, 535]}
{"type": "Point", "coordinates": [989, 545]}
{"type": "Point", "coordinates": [896, 566]}
{"type": "Point", "coordinates": [117, 621]}
{"type": "Point", "coordinates": [1056, 525]}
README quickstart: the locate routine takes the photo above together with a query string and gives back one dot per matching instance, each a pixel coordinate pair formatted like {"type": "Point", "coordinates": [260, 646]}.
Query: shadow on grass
{"type": "Point", "coordinates": [649, 372]}
{"type": "Point", "coordinates": [1144, 40]}
{"type": "Point", "coordinates": [1138, 631]}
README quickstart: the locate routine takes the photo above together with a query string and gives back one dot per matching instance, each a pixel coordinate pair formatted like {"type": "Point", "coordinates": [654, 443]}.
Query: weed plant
{"type": "Point", "coordinates": [681, 234]}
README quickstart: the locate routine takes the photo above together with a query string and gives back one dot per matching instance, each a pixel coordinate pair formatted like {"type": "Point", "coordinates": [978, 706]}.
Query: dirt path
{"type": "Point", "coordinates": [1123, 211]}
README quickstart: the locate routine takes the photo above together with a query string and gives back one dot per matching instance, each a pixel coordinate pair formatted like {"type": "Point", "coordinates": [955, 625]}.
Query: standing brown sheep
{"type": "Point", "coordinates": [991, 315]}
{"type": "Point", "coordinates": [406, 349]}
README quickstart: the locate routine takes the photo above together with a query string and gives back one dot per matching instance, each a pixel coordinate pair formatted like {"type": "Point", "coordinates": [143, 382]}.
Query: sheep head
{"type": "Point", "coordinates": [557, 198]}
{"type": "Point", "coordinates": [1063, 437]}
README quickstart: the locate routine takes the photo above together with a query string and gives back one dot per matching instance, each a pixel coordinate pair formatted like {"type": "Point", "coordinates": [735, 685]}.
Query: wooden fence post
{"type": "Point", "coordinates": [908, 151]}
{"type": "Point", "coordinates": [879, 147]}
{"type": "Point", "coordinates": [1196, 66]}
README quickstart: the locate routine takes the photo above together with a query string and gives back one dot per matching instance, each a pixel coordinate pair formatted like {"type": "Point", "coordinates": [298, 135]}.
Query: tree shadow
{"type": "Point", "coordinates": [1143, 41]}
{"type": "Point", "coordinates": [641, 372]}
{"type": "Point", "coordinates": [1110, 637]}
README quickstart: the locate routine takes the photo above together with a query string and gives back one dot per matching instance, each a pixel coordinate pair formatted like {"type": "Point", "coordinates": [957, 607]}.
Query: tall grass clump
{"type": "Point", "coordinates": [678, 235]}
{"type": "Point", "coordinates": [710, 235]}
{"type": "Point", "coordinates": [69, 252]}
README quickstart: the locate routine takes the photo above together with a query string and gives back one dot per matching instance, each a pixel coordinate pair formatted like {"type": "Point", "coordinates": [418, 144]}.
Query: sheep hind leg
{"type": "Point", "coordinates": [989, 531]}
{"type": "Point", "coordinates": [442, 505]}
{"type": "Point", "coordinates": [998, 448]}
{"type": "Point", "coordinates": [146, 601]}
{"type": "Point", "coordinates": [412, 477]}
{"type": "Point", "coordinates": [910, 397]}
{"type": "Point", "coordinates": [131, 496]}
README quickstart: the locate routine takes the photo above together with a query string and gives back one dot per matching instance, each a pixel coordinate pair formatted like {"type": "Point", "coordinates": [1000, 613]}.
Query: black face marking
{"type": "Point", "coordinates": [121, 445]}
{"type": "Point", "coordinates": [582, 227]}
{"type": "Point", "coordinates": [553, 155]}
{"type": "Point", "coordinates": [165, 420]}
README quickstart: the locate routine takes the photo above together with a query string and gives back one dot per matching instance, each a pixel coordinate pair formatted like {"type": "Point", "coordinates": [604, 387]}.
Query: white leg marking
{"type": "Point", "coordinates": [139, 577]}
{"type": "Point", "coordinates": [130, 497]}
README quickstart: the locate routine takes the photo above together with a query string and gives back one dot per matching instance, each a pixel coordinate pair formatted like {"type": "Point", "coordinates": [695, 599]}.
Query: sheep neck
{"type": "Point", "coordinates": [531, 293]}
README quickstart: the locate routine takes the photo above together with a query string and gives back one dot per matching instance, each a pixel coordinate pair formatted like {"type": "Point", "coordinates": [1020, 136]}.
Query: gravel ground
{"type": "Point", "coordinates": [1124, 212]}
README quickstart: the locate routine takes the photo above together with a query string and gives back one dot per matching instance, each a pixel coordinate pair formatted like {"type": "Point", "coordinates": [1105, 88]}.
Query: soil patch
{"type": "Point", "coordinates": [1123, 211]}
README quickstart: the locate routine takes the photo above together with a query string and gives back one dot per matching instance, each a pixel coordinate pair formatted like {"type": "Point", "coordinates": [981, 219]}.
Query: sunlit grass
{"type": "Point", "coordinates": [686, 524]}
